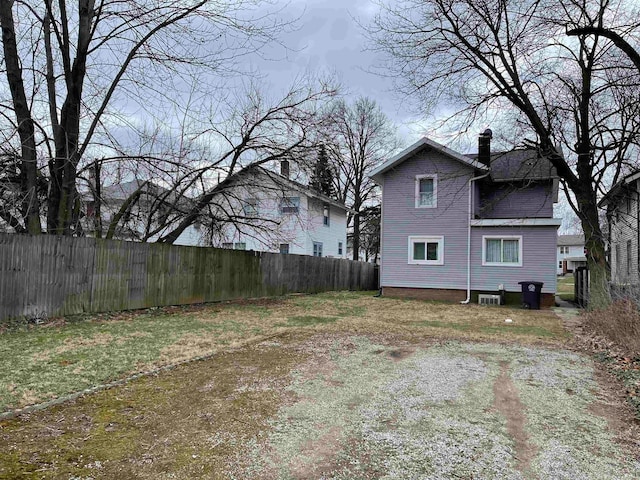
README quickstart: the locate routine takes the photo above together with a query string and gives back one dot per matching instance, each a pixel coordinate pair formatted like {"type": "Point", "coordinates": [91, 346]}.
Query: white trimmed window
{"type": "Point", "coordinates": [502, 251]}
{"type": "Point", "coordinates": [564, 250]}
{"type": "Point", "coordinates": [426, 191]}
{"type": "Point", "coordinates": [426, 250]}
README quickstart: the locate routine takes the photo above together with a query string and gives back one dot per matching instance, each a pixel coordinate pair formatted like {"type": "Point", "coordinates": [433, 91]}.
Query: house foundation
{"type": "Point", "coordinates": [514, 299]}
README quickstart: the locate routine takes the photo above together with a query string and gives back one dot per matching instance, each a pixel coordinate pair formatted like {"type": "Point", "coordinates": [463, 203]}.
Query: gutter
{"type": "Point", "coordinates": [471, 180]}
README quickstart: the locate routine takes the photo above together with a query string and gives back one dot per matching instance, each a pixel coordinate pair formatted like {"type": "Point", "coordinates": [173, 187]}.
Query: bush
{"type": "Point", "coordinates": [620, 323]}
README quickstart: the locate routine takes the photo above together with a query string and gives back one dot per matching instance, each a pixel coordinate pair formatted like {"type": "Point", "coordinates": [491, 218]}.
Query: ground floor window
{"type": "Point", "coordinates": [426, 250]}
{"type": "Point", "coordinates": [502, 251]}
{"type": "Point", "coordinates": [317, 249]}
{"type": "Point", "coordinates": [560, 264]}
{"type": "Point", "coordinates": [339, 248]}
{"type": "Point", "coordinates": [284, 248]}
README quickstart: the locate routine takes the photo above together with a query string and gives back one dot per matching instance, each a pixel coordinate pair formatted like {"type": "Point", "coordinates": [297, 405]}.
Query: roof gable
{"type": "Point", "coordinates": [421, 144]}
{"type": "Point", "coordinates": [284, 183]}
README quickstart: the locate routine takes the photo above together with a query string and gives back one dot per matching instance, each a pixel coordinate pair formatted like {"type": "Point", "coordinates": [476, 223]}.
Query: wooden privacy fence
{"type": "Point", "coordinates": [43, 276]}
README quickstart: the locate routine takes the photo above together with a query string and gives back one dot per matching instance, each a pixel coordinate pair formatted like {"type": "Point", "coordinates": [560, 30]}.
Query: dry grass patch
{"type": "Point", "coordinates": [75, 355]}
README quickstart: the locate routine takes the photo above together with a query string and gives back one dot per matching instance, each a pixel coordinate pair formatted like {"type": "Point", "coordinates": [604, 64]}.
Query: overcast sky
{"type": "Point", "coordinates": [328, 38]}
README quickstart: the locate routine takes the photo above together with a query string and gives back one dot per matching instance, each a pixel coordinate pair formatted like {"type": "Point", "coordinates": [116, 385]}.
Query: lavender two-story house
{"type": "Point", "coordinates": [455, 226]}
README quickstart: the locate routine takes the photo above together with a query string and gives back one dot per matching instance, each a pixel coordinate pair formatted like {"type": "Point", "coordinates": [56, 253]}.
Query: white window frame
{"type": "Point", "coordinates": [564, 250]}
{"type": "Point", "coordinates": [439, 239]}
{"type": "Point", "coordinates": [501, 237]}
{"type": "Point", "coordinates": [433, 176]}
{"type": "Point", "coordinates": [317, 248]}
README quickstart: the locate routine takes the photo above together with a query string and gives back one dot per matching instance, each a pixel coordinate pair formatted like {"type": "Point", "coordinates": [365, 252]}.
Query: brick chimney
{"type": "Point", "coordinates": [284, 168]}
{"type": "Point", "coordinates": [484, 147]}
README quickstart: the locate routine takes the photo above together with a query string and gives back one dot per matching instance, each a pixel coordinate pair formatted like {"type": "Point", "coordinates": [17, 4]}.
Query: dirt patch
{"type": "Point", "coordinates": [507, 402]}
{"type": "Point", "coordinates": [611, 406]}
{"type": "Point", "coordinates": [400, 354]}
{"type": "Point", "coordinates": [319, 455]}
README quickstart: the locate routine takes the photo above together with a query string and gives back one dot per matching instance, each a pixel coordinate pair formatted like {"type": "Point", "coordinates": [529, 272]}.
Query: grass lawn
{"type": "Point", "coordinates": [565, 288]}
{"type": "Point", "coordinates": [337, 386]}
{"type": "Point", "coordinates": [68, 356]}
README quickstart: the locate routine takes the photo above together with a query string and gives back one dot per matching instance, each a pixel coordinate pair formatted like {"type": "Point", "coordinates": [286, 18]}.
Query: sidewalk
{"type": "Point", "coordinates": [569, 313]}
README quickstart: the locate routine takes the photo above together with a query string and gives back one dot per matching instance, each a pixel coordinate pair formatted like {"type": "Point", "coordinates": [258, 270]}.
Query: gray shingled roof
{"type": "Point", "coordinates": [521, 164]}
{"type": "Point", "coordinates": [565, 240]}
{"type": "Point", "coordinates": [525, 164]}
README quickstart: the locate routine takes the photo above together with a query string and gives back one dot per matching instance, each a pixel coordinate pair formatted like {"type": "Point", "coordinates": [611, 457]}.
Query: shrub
{"type": "Point", "coordinates": [620, 323]}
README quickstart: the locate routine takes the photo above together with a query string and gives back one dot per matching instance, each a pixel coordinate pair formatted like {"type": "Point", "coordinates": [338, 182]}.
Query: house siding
{"type": "Point", "coordinates": [624, 228]}
{"type": "Point", "coordinates": [328, 236]}
{"type": "Point", "coordinates": [401, 219]}
{"type": "Point", "coordinates": [507, 201]}
{"type": "Point", "coordinates": [539, 246]}
{"type": "Point", "coordinates": [298, 230]}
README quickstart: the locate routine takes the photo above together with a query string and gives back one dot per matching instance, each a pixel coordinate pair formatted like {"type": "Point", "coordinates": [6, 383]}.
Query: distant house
{"type": "Point", "coordinates": [456, 226]}
{"type": "Point", "coordinates": [276, 214]}
{"type": "Point", "coordinates": [623, 214]}
{"type": "Point", "coordinates": [137, 210]}
{"type": "Point", "coordinates": [570, 253]}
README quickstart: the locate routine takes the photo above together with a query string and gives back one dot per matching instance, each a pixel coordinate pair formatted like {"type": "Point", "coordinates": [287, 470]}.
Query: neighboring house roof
{"type": "Point", "coordinates": [617, 190]}
{"type": "Point", "coordinates": [566, 240]}
{"type": "Point", "coordinates": [122, 191]}
{"type": "Point", "coordinates": [286, 183]}
{"type": "Point", "coordinates": [421, 144]}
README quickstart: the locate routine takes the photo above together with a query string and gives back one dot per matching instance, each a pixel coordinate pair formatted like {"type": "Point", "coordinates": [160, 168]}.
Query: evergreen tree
{"type": "Point", "coordinates": [322, 176]}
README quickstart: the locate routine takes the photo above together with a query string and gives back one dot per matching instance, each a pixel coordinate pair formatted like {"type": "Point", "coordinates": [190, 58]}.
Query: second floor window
{"type": "Point", "coordinates": [564, 250]}
{"type": "Point", "coordinates": [250, 206]}
{"type": "Point", "coordinates": [325, 215]}
{"type": "Point", "coordinates": [290, 205]}
{"type": "Point", "coordinates": [426, 191]}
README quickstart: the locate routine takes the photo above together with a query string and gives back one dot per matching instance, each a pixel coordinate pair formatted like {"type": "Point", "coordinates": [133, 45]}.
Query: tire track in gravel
{"type": "Point", "coordinates": [507, 402]}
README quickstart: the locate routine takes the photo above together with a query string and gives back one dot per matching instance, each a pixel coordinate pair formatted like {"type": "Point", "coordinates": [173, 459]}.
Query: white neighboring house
{"type": "Point", "coordinates": [276, 214]}
{"type": "Point", "coordinates": [150, 206]}
{"type": "Point", "coordinates": [622, 204]}
{"type": "Point", "coordinates": [570, 253]}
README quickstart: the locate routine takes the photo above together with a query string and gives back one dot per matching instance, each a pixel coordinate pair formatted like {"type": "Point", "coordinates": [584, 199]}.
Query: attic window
{"type": "Point", "coordinates": [426, 191]}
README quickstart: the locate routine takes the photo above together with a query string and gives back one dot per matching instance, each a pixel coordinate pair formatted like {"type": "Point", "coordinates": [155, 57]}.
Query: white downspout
{"type": "Point", "coordinates": [471, 180]}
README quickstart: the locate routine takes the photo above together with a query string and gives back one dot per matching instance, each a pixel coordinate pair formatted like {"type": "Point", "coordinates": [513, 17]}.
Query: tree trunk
{"type": "Point", "coordinates": [30, 208]}
{"type": "Point", "coordinates": [356, 236]}
{"type": "Point", "coordinates": [599, 294]}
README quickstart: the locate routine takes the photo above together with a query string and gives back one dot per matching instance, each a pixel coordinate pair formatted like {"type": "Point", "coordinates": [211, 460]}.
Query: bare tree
{"type": "Point", "coordinates": [512, 58]}
{"type": "Point", "coordinates": [359, 138]}
{"type": "Point", "coordinates": [77, 70]}
{"type": "Point", "coordinates": [256, 132]}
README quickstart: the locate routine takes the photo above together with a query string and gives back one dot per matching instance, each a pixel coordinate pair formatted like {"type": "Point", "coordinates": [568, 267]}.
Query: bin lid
{"type": "Point", "coordinates": [531, 283]}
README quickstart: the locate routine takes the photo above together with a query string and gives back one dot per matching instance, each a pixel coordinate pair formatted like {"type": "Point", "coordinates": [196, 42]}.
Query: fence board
{"type": "Point", "coordinates": [49, 276]}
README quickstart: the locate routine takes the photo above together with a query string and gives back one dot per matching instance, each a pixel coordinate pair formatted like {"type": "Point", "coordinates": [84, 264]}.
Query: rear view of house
{"type": "Point", "coordinates": [455, 226]}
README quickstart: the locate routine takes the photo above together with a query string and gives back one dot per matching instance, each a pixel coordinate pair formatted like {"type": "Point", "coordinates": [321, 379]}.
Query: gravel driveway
{"type": "Point", "coordinates": [364, 409]}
